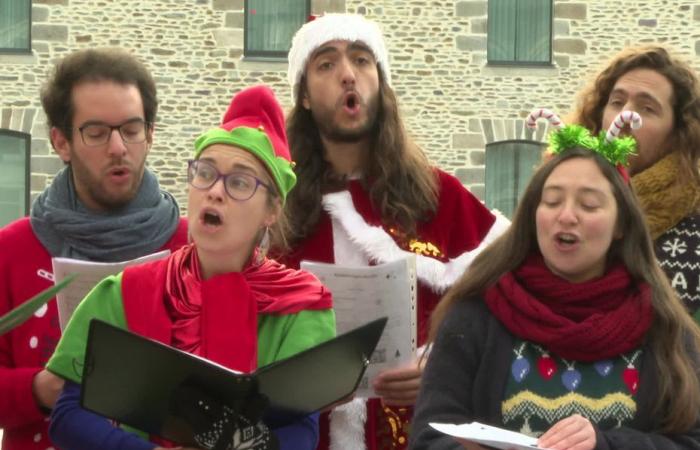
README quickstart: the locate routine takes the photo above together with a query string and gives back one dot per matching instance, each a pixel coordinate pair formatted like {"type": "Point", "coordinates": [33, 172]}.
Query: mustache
{"type": "Point", "coordinates": [343, 98]}
{"type": "Point", "coordinates": [120, 162]}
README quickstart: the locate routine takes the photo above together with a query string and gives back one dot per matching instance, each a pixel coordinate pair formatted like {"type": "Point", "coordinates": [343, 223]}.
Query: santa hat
{"type": "Point", "coordinates": [254, 122]}
{"type": "Point", "coordinates": [332, 27]}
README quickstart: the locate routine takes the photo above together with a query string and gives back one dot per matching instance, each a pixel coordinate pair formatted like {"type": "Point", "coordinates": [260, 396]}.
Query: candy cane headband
{"type": "Point", "coordinates": [609, 145]}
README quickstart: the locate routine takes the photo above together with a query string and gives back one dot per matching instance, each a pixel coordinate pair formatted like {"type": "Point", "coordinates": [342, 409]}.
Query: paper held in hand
{"type": "Point", "coordinates": [488, 435]}
{"type": "Point", "coordinates": [90, 273]}
{"type": "Point", "coordinates": [365, 293]}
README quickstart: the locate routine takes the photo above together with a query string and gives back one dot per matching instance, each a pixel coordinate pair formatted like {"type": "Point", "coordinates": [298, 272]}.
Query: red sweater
{"type": "Point", "coordinates": [25, 350]}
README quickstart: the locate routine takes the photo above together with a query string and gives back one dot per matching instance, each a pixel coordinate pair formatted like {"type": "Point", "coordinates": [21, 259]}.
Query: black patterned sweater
{"type": "Point", "coordinates": [678, 252]}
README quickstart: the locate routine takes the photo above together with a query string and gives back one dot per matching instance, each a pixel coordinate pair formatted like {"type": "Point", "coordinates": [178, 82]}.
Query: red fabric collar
{"type": "Point", "coordinates": [588, 321]}
{"type": "Point", "coordinates": [224, 327]}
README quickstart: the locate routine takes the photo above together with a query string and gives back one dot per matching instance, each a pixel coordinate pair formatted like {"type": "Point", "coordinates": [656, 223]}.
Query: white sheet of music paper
{"type": "Point", "coordinates": [362, 294]}
{"type": "Point", "coordinates": [89, 274]}
{"type": "Point", "coordinates": [488, 435]}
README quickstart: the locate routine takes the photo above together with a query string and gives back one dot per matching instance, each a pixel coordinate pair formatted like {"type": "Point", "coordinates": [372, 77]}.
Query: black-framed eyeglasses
{"type": "Point", "coordinates": [239, 186]}
{"type": "Point", "coordinates": [134, 131]}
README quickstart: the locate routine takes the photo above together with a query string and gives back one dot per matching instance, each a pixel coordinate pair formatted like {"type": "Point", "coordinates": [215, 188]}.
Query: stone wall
{"type": "Point", "coordinates": [453, 102]}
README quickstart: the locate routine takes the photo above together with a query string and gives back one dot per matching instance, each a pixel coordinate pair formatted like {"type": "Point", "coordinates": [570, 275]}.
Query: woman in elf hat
{"type": "Point", "coordinates": [566, 328]}
{"type": "Point", "coordinates": [220, 297]}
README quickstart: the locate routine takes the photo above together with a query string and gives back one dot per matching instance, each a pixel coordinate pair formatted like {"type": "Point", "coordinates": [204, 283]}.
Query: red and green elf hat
{"type": "Point", "coordinates": [254, 121]}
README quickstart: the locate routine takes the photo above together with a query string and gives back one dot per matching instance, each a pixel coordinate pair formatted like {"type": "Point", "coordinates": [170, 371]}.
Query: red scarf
{"type": "Point", "coordinates": [588, 321]}
{"type": "Point", "coordinates": [217, 318]}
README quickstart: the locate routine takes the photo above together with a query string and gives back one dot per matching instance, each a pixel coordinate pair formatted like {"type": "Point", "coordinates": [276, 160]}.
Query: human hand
{"type": "Point", "coordinates": [46, 388]}
{"type": "Point", "coordinates": [400, 386]}
{"type": "Point", "coordinates": [573, 433]}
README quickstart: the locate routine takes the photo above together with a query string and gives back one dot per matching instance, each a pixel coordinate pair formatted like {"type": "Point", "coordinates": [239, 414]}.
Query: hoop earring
{"type": "Point", "coordinates": [263, 246]}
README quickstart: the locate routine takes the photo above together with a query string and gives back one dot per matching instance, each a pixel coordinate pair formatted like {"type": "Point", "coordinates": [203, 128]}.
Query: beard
{"type": "Point", "coordinates": [331, 130]}
{"type": "Point", "coordinates": [95, 188]}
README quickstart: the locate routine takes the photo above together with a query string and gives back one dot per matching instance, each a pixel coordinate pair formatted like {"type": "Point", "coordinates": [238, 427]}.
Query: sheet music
{"type": "Point", "coordinates": [488, 435]}
{"type": "Point", "coordinates": [362, 294]}
{"type": "Point", "coordinates": [89, 274]}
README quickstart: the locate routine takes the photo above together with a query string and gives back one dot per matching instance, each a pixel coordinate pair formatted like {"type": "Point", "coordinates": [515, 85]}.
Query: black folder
{"type": "Point", "coordinates": [130, 378]}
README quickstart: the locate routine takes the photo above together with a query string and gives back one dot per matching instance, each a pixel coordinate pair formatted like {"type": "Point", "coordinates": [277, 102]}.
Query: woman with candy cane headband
{"type": "Point", "coordinates": [566, 328]}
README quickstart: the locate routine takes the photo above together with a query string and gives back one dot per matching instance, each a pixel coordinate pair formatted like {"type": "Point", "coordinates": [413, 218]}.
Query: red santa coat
{"type": "Point", "coordinates": [446, 245]}
{"type": "Point", "coordinates": [24, 264]}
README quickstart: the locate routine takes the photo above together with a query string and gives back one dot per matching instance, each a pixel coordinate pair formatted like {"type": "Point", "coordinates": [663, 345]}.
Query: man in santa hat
{"type": "Point", "coordinates": [367, 193]}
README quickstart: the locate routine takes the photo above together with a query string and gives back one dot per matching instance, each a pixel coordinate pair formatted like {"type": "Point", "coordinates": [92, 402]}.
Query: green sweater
{"type": "Point", "coordinates": [279, 336]}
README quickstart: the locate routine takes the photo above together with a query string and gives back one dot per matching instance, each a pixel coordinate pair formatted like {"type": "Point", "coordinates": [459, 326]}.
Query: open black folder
{"type": "Point", "coordinates": [131, 379]}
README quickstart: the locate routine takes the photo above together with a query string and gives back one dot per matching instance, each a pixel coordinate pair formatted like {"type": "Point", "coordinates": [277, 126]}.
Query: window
{"type": "Point", "coordinates": [14, 175]}
{"type": "Point", "coordinates": [519, 31]}
{"type": "Point", "coordinates": [15, 26]}
{"type": "Point", "coordinates": [271, 24]}
{"type": "Point", "coordinates": [509, 166]}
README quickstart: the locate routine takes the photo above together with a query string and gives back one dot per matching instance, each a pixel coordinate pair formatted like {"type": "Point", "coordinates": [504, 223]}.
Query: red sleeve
{"type": "Point", "coordinates": [467, 220]}
{"type": "Point", "coordinates": [17, 404]}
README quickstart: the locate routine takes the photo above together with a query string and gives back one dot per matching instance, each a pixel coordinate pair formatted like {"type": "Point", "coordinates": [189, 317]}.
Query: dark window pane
{"type": "Point", "coordinates": [14, 182]}
{"type": "Point", "coordinates": [271, 24]}
{"type": "Point", "coordinates": [501, 30]}
{"type": "Point", "coordinates": [15, 24]}
{"type": "Point", "coordinates": [532, 42]}
{"type": "Point", "coordinates": [509, 166]}
{"type": "Point", "coordinates": [519, 31]}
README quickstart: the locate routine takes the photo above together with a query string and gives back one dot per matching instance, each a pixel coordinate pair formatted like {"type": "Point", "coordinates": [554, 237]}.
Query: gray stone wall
{"type": "Point", "coordinates": [453, 102]}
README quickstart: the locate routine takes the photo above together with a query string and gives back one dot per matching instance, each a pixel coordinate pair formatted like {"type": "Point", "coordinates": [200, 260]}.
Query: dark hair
{"type": "Point", "coordinates": [104, 64]}
{"type": "Point", "coordinates": [280, 229]}
{"type": "Point", "coordinates": [678, 399]}
{"type": "Point", "coordinates": [403, 185]}
{"type": "Point", "coordinates": [685, 101]}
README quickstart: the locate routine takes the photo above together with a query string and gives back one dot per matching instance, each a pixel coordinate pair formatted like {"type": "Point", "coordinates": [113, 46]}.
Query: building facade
{"type": "Point", "coordinates": [456, 100]}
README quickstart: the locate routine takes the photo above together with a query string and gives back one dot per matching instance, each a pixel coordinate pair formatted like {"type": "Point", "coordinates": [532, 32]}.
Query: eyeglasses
{"type": "Point", "coordinates": [238, 185]}
{"type": "Point", "coordinates": [133, 131]}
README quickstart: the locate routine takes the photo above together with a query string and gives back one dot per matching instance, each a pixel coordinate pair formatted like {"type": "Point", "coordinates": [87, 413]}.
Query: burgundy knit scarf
{"type": "Point", "coordinates": [587, 321]}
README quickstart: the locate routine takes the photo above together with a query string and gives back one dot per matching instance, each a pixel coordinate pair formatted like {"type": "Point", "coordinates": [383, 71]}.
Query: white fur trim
{"type": "Point", "coordinates": [379, 246]}
{"type": "Point", "coordinates": [331, 27]}
{"type": "Point", "coordinates": [345, 252]}
{"type": "Point", "coordinates": [347, 426]}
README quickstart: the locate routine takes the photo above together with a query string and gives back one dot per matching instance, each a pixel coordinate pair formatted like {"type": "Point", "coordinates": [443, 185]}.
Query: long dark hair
{"type": "Point", "coordinates": [678, 400]}
{"type": "Point", "coordinates": [403, 187]}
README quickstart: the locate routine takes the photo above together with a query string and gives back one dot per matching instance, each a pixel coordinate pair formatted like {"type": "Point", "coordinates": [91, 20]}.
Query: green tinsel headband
{"type": "Point", "coordinates": [615, 151]}
{"type": "Point", "coordinates": [607, 144]}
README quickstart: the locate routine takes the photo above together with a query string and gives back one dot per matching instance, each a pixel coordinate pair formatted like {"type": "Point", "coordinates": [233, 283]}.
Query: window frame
{"type": "Point", "coordinates": [28, 158]}
{"type": "Point", "coordinates": [264, 54]}
{"type": "Point", "coordinates": [516, 170]}
{"type": "Point", "coordinates": [25, 50]}
{"type": "Point", "coordinates": [548, 63]}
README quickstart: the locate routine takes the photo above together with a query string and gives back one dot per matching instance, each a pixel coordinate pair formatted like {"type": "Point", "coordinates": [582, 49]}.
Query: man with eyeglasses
{"type": "Point", "coordinates": [102, 206]}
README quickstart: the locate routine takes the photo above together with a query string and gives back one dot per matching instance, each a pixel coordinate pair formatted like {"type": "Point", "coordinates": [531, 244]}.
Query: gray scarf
{"type": "Point", "coordinates": [67, 228]}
